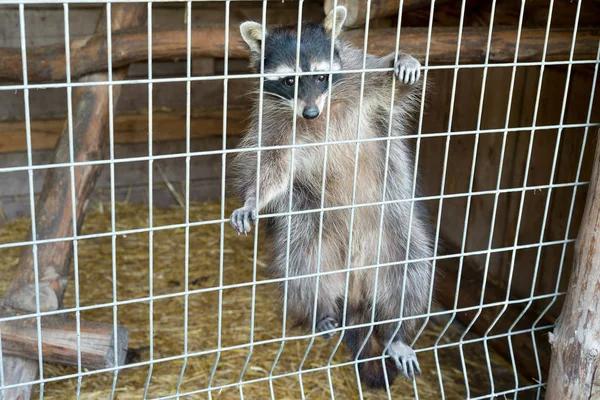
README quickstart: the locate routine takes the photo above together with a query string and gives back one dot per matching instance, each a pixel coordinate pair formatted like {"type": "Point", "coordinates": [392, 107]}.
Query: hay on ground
{"type": "Point", "coordinates": [236, 304]}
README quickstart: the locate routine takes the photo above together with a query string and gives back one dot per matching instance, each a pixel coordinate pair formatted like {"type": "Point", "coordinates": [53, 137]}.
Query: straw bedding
{"type": "Point", "coordinates": [168, 276]}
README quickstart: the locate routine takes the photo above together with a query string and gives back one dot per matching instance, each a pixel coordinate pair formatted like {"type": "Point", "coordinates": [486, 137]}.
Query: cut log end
{"type": "Point", "coordinates": [122, 344]}
{"type": "Point", "coordinates": [60, 344]}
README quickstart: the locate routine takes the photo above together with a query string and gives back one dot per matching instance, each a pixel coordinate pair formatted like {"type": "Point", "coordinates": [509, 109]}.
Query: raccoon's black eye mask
{"type": "Point", "coordinates": [291, 80]}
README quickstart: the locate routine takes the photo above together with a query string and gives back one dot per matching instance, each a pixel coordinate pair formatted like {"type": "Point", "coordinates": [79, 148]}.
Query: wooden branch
{"type": "Point", "coordinates": [129, 128]}
{"type": "Point", "coordinates": [54, 215]}
{"type": "Point", "coordinates": [47, 63]}
{"type": "Point", "coordinates": [575, 363]}
{"type": "Point", "coordinates": [59, 340]}
{"type": "Point", "coordinates": [469, 296]}
{"type": "Point", "coordinates": [357, 9]}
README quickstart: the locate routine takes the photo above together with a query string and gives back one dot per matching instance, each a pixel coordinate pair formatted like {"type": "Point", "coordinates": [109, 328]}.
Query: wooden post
{"type": "Point", "coordinates": [357, 9]}
{"type": "Point", "coordinates": [575, 362]}
{"type": "Point", "coordinates": [54, 213]}
{"type": "Point", "coordinates": [59, 340]}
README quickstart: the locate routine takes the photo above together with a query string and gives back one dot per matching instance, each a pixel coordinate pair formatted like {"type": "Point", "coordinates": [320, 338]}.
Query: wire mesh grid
{"type": "Point", "coordinates": [286, 338]}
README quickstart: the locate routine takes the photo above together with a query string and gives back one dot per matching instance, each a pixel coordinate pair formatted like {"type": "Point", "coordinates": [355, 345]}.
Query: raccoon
{"type": "Point", "coordinates": [392, 297]}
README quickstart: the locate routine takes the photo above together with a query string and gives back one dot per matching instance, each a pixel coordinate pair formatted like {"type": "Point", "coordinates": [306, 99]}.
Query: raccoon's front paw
{"type": "Point", "coordinates": [408, 69]}
{"type": "Point", "coordinates": [325, 325]}
{"type": "Point", "coordinates": [240, 219]}
{"type": "Point", "coordinates": [405, 359]}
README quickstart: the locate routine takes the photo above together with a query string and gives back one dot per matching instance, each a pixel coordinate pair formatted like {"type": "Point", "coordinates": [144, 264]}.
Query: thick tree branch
{"type": "Point", "coordinates": [47, 63]}
{"type": "Point", "coordinates": [54, 213]}
{"type": "Point", "coordinates": [575, 363]}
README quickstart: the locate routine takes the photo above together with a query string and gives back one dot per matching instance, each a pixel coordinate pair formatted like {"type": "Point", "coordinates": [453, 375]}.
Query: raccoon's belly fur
{"type": "Point", "coordinates": [336, 223]}
{"type": "Point", "coordinates": [304, 232]}
{"type": "Point", "coordinates": [370, 237]}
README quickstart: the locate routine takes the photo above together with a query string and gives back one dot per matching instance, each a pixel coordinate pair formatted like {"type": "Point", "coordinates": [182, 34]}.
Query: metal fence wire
{"type": "Point", "coordinates": [289, 337]}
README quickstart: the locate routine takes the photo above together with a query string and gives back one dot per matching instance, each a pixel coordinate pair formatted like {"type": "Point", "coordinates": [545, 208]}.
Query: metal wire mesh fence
{"type": "Point", "coordinates": [213, 386]}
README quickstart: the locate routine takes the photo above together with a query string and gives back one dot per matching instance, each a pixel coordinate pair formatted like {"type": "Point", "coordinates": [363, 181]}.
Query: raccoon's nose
{"type": "Point", "coordinates": [310, 112]}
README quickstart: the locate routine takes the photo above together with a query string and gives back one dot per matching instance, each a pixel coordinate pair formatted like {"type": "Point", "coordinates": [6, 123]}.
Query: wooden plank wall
{"type": "Point", "coordinates": [48, 109]}
{"type": "Point", "coordinates": [494, 116]}
{"type": "Point", "coordinates": [513, 170]}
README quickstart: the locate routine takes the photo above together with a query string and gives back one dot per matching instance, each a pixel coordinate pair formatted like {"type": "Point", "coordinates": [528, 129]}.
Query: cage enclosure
{"type": "Point", "coordinates": [124, 279]}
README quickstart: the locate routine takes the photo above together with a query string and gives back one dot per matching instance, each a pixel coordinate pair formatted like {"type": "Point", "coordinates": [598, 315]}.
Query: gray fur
{"type": "Point", "coordinates": [307, 186]}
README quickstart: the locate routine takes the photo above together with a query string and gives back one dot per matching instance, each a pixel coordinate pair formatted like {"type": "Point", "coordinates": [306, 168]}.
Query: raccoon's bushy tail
{"type": "Point", "coordinates": [371, 372]}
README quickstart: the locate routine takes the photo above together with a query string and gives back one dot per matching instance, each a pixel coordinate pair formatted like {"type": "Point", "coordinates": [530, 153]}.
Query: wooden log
{"type": "Point", "coordinates": [129, 128]}
{"type": "Point", "coordinates": [59, 340]}
{"type": "Point", "coordinates": [575, 363]}
{"type": "Point", "coordinates": [54, 216]}
{"type": "Point", "coordinates": [536, 13]}
{"type": "Point", "coordinates": [47, 63]}
{"type": "Point", "coordinates": [53, 213]}
{"type": "Point", "coordinates": [357, 9]}
{"type": "Point", "coordinates": [469, 296]}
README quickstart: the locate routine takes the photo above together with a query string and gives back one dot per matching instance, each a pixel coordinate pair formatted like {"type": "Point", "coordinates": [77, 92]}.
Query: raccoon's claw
{"type": "Point", "coordinates": [405, 359]}
{"type": "Point", "coordinates": [327, 324]}
{"type": "Point", "coordinates": [240, 219]}
{"type": "Point", "coordinates": [408, 69]}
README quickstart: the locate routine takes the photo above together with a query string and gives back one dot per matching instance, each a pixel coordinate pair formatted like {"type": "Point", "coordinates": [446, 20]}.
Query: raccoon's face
{"type": "Point", "coordinates": [312, 89]}
{"type": "Point", "coordinates": [314, 64]}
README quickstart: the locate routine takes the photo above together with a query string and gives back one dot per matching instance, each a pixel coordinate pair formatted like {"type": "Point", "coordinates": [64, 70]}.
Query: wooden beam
{"type": "Point", "coordinates": [575, 363]}
{"type": "Point", "coordinates": [54, 212]}
{"type": "Point", "coordinates": [129, 128]}
{"type": "Point", "coordinates": [47, 63]}
{"type": "Point", "coordinates": [59, 340]}
{"type": "Point", "coordinates": [469, 296]}
{"type": "Point", "coordinates": [357, 9]}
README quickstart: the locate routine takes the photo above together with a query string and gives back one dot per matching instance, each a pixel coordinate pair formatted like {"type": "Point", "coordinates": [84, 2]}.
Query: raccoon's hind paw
{"type": "Point", "coordinates": [240, 219]}
{"type": "Point", "coordinates": [405, 359]}
{"type": "Point", "coordinates": [408, 69]}
{"type": "Point", "coordinates": [327, 324]}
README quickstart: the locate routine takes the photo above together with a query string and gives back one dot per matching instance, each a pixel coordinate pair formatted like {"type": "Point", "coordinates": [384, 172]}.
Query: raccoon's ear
{"type": "Point", "coordinates": [340, 17]}
{"type": "Point", "coordinates": [252, 34]}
